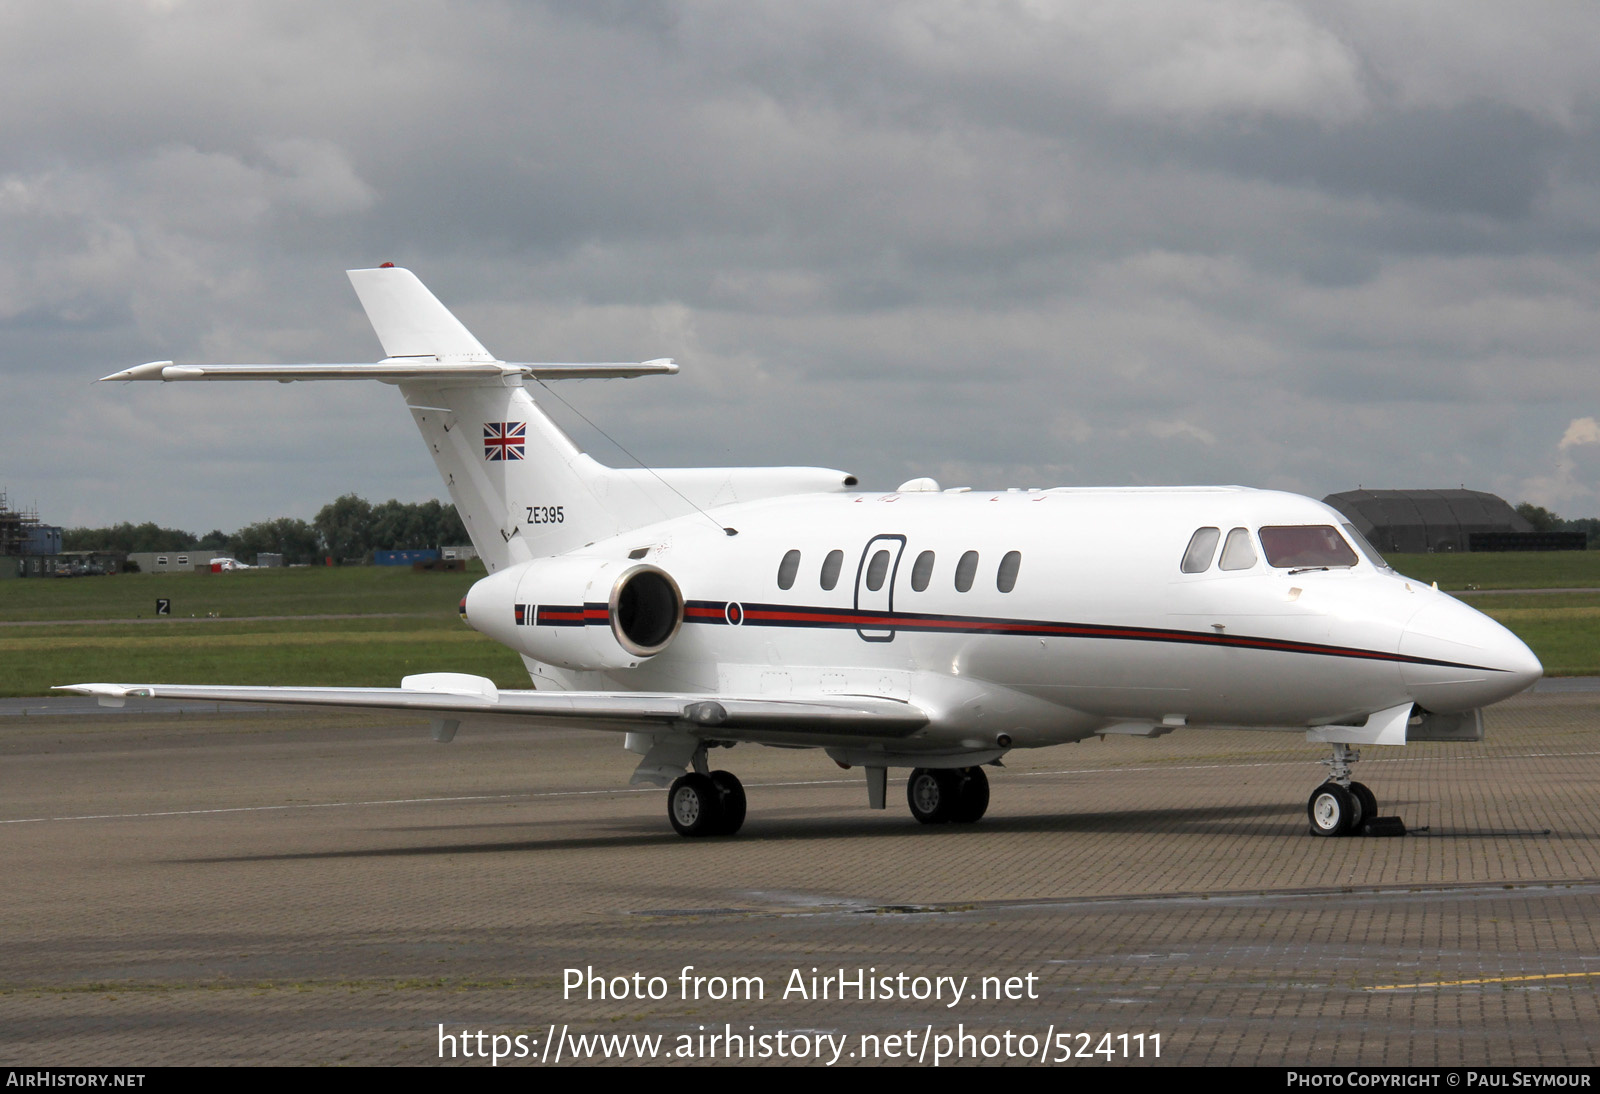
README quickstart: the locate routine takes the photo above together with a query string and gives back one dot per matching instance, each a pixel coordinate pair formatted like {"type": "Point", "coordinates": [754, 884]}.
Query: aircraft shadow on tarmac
{"type": "Point", "coordinates": [1272, 821]}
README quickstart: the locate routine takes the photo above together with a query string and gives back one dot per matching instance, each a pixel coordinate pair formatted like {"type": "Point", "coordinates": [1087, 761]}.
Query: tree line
{"type": "Point", "coordinates": [1543, 520]}
{"type": "Point", "coordinates": [347, 529]}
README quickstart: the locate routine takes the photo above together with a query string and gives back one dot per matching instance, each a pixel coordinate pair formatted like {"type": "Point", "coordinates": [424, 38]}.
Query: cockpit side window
{"type": "Point", "coordinates": [1365, 547]}
{"type": "Point", "coordinates": [1202, 547]}
{"type": "Point", "coordinates": [1238, 553]}
{"type": "Point", "coordinates": [1305, 545]}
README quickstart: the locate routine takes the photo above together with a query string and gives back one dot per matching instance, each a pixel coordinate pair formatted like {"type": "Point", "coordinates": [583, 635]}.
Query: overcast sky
{"type": "Point", "coordinates": [1304, 246]}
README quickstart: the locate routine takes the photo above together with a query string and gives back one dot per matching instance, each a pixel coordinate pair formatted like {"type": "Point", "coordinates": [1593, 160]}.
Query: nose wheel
{"type": "Point", "coordinates": [1340, 807]}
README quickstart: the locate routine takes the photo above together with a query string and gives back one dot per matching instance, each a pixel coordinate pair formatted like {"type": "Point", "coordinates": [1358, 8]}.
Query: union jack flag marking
{"type": "Point", "coordinates": [504, 440]}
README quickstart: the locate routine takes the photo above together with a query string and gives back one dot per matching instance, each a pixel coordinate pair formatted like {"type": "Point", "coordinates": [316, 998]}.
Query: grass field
{"type": "Point", "coordinates": [1504, 569]}
{"type": "Point", "coordinates": [257, 627]}
{"type": "Point", "coordinates": [244, 628]}
{"type": "Point", "coordinates": [311, 590]}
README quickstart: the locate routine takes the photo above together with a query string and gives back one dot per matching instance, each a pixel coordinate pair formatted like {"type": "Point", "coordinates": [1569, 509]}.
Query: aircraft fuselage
{"type": "Point", "coordinates": [905, 595]}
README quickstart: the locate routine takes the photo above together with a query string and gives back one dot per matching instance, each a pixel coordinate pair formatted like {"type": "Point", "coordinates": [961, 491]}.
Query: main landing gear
{"type": "Point", "coordinates": [706, 805]}
{"type": "Point", "coordinates": [948, 794]}
{"type": "Point", "coordinates": [703, 802]}
{"type": "Point", "coordinates": [1340, 807]}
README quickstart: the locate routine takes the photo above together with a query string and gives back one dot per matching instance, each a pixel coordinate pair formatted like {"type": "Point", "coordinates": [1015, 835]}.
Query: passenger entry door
{"type": "Point", "coordinates": [875, 576]}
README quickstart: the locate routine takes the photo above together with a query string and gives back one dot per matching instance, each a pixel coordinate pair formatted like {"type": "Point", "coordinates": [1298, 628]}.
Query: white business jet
{"type": "Point", "coordinates": [937, 630]}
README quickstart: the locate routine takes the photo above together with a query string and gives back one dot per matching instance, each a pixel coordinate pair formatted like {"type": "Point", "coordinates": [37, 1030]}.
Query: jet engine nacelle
{"type": "Point", "coordinates": [579, 613]}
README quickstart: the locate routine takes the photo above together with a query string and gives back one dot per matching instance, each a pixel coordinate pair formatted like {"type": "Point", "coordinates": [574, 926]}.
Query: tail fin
{"type": "Point", "coordinates": [410, 321]}
{"type": "Point", "coordinates": [522, 488]}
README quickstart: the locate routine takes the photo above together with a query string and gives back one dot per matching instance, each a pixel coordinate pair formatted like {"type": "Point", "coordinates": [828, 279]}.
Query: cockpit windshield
{"type": "Point", "coordinates": [1306, 546]}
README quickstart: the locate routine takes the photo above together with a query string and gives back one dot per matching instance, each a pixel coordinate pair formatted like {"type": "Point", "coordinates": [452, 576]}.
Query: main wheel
{"type": "Point", "coordinates": [694, 806]}
{"type": "Point", "coordinates": [1332, 810]}
{"type": "Point", "coordinates": [932, 794]}
{"type": "Point", "coordinates": [730, 793]}
{"type": "Point", "coordinates": [1367, 800]}
{"type": "Point", "coordinates": [972, 796]}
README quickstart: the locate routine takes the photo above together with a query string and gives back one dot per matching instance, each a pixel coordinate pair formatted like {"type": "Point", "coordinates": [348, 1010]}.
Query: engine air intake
{"type": "Point", "coordinates": [646, 610]}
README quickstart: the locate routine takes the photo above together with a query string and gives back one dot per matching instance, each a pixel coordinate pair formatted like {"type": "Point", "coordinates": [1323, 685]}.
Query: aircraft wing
{"type": "Point", "coordinates": [459, 696]}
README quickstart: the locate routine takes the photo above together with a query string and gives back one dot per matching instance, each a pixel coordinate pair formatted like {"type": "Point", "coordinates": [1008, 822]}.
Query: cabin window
{"type": "Point", "coordinates": [922, 572]}
{"type": "Point", "coordinates": [966, 570]}
{"type": "Point", "coordinates": [1238, 553]}
{"type": "Point", "coordinates": [877, 570]}
{"type": "Point", "coordinates": [1006, 578]}
{"type": "Point", "coordinates": [787, 569]}
{"type": "Point", "coordinates": [830, 569]}
{"type": "Point", "coordinates": [1305, 545]}
{"type": "Point", "coordinates": [1202, 546]}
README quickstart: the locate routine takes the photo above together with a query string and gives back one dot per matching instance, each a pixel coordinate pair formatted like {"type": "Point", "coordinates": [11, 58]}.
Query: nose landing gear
{"type": "Point", "coordinates": [1340, 807]}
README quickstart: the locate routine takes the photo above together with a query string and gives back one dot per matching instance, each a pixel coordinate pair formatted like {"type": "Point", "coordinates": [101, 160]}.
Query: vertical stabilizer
{"type": "Point", "coordinates": [409, 319]}
{"type": "Point", "coordinates": [522, 488]}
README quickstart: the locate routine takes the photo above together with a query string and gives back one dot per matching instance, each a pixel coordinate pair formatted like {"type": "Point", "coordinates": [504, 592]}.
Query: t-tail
{"type": "Point", "coordinates": [521, 486]}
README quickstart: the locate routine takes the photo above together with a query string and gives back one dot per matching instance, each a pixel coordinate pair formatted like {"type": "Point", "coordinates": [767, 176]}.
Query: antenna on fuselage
{"type": "Point", "coordinates": [635, 459]}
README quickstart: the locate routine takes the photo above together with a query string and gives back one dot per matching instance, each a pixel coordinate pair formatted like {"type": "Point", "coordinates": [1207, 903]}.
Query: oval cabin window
{"type": "Point", "coordinates": [787, 569]}
{"type": "Point", "coordinates": [830, 569]}
{"type": "Point", "coordinates": [877, 570]}
{"type": "Point", "coordinates": [966, 570]}
{"type": "Point", "coordinates": [1006, 578]}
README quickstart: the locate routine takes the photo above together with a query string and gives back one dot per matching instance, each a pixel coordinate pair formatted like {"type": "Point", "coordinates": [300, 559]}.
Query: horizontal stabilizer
{"type": "Point", "coordinates": [394, 371]}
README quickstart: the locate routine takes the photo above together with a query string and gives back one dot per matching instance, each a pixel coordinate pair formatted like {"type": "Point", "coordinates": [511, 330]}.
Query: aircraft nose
{"type": "Point", "coordinates": [1460, 658]}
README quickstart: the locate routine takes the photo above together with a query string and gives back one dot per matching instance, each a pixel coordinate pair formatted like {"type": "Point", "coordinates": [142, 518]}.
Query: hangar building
{"type": "Point", "coordinates": [1418, 521]}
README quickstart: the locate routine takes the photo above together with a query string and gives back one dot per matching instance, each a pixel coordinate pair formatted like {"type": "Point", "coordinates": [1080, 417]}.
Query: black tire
{"type": "Point", "coordinates": [1368, 802]}
{"type": "Point", "coordinates": [1331, 810]}
{"type": "Point", "coordinates": [694, 806]}
{"type": "Point", "coordinates": [730, 792]}
{"type": "Point", "coordinates": [932, 794]}
{"type": "Point", "coordinates": [972, 799]}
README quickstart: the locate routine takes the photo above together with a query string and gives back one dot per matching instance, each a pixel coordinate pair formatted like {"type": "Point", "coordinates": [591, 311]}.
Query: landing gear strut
{"type": "Point", "coordinates": [1340, 807]}
{"type": "Point", "coordinates": [939, 795]}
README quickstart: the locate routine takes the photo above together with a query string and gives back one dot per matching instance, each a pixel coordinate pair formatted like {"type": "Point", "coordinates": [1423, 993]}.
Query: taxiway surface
{"type": "Point", "coordinates": [263, 887]}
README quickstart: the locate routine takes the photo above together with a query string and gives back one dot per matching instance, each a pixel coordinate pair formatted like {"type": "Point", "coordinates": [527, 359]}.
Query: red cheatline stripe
{"type": "Point", "coordinates": [1066, 630]}
{"type": "Point", "coordinates": [846, 618]}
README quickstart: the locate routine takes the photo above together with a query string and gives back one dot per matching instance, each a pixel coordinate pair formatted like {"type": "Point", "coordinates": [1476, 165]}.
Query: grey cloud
{"type": "Point", "coordinates": [1004, 243]}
